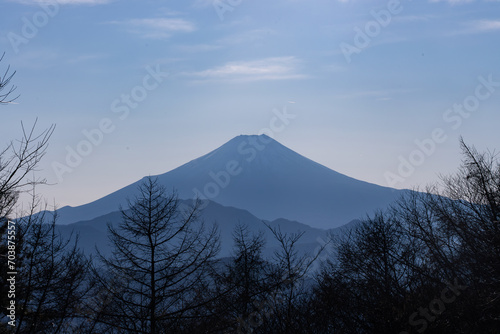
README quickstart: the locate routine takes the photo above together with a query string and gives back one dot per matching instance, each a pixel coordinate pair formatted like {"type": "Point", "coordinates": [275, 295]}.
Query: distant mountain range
{"type": "Point", "coordinates": [258, 174]}
{"type": "Point", "coordinates": [92, 233]}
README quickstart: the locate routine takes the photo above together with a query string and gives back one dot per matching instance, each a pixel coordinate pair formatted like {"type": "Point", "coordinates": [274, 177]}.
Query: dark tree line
{"type": "Point", "coordinates": [430, 264]}
{"type": "Point", "coordinates": [53, 277]}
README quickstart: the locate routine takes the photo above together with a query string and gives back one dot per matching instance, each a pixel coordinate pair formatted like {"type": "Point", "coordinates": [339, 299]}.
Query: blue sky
{"type": "Point", "coordinates": [168, 81]}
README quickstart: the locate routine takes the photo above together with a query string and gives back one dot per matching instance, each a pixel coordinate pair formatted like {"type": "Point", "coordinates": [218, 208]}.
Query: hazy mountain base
{"type": "Point", "coordinates": [92, 233]}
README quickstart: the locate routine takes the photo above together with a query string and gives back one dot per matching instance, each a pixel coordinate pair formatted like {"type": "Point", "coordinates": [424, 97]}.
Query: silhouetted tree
{"type": "Point", "coordinates": [259, 295]}
{"type": "Point", "coordinates": [52, 279]}
{"type": "Point", "coordinates": [458, 227]}
{"type": "Point", "coordinates": [18, 159]}
{"type": "Point", "coordinates": [430, 264]}
{"type": "Point", "coordinates": [161, 259]}
{"type": "Point", "coordinates": [245, 280]}
{"type": "Point", "coordinates": [364, 290]}
{"type": "Point", "coordinates": [292, 274]}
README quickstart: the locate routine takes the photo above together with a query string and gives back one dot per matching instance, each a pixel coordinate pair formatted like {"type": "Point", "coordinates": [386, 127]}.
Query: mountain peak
{"type": "Point", "coordinates": [257, 173]}
{"type": "Point", "coordinates": [245, 149]}
{"type": "Point", "coordinates": [252, 136]}
{"type": "Point", "coordinates": [254, 139]}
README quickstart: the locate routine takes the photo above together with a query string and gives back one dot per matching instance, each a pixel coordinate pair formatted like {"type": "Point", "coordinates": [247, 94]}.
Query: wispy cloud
{"type": "Point", "coordinates": [157, 28]}
{"type": "Point", "coordinates": [63, 2]}
{"type": "Point", "coordinates": [477, 27]}
{"type": "Point", "coordinates": [165, 24]}
{"type": "Point", "coordinates": [485, 25]}
{"type": "Point", "coordinates": [277, 68]}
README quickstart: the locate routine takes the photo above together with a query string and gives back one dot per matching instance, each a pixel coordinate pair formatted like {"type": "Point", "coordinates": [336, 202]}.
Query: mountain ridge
{"type": "Point", "coordinates": [92, 233]}
{"type": "Point", "coordinates": [259, 174]}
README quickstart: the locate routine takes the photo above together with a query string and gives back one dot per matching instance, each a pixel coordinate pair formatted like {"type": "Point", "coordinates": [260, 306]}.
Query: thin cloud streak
{"type": "Point", "coordinates": [477, 27]}
{"type": "Point", "coordinates": [62, 2]}
{"type": "Point", "coordinates": [157, 28]}
{"type": "Point", "coordinates": [277, 68]}
{"type": "Point", "coordinates": [165, 24]}
{"type": "Point", "coordinates": [486, 25]}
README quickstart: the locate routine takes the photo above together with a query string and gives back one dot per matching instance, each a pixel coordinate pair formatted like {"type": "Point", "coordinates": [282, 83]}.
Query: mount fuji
{"type": "Point", "coordinates": [258, 174]}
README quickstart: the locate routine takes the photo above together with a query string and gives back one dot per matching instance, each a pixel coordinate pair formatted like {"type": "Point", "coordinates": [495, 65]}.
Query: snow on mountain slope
{"type": "Point", "coordinates": [260, 175]}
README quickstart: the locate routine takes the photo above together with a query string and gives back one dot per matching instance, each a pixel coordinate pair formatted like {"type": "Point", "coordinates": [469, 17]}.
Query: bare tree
{"type": "Point", "coordinates": [364, 290]}
{"type": "Point", "coordinates": [5, 97]}
{"type": "Point", "coordinates": [52, 277]}
{"type": "Point", "coordinates": [18, 158]}
{"type": "Point", "coordinates": [241, 281]}
{"type": "Point", "coordinates": [292, 272]}
{"type": "Point", "coordinates": [17, 161]}
{"type": "Point", "coordinates": [161, 256]}
{"type": "Point", "coordinates": [459, 230]}
{"type": "Point", "coordinates": [260, 295]}
{"type": "Point", "coordinates": [431, 263]}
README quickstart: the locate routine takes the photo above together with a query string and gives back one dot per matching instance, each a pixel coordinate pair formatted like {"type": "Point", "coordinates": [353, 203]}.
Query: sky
{"type": "Point", "coordinates": [378, 90]}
